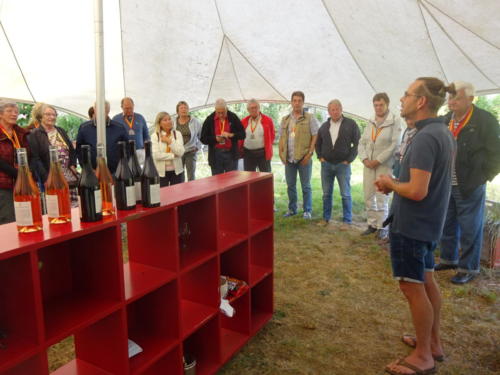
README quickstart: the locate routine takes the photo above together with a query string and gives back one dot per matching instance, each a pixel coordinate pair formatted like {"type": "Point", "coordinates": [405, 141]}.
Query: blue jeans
{"type": "Point", "coordinates": [305, 171]}
{"type": "Point", "coordinates": [223, 162]}
{"type": "Point", "coordinates": [463, 229]}
{"type": "Point", "coordinates": [343, 173]}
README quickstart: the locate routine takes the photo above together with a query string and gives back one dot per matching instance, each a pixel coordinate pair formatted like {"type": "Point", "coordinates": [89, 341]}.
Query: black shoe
{"type": "Point", "coordinates": [462, 278]}
{"type": "Point", "coordinates": [444, 267]}
{"type": "Point", "coordinates": [369, 230]}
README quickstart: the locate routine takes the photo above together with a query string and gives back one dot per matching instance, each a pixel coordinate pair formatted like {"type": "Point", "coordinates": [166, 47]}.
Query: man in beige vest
{"type": "Point", "coordinates": [298, 132]}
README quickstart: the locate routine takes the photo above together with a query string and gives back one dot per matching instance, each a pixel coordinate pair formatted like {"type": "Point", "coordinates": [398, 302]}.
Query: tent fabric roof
{"type": "Point", "coordinates": [160, 52]}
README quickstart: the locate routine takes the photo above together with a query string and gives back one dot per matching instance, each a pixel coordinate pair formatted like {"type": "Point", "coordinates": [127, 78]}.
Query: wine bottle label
{"type": "Point", "coordinates": [138, 193]}
{"type": "Point", "coordinates": [24, 216]}
{"type": "Point", "coordinates": [52, 205]}
{"type": "Point", "coordinates": [154, 192]}
{"type": "Point", "coordinates": [98, 201]}
{"type": "Point", "coordinates": [130, 192]}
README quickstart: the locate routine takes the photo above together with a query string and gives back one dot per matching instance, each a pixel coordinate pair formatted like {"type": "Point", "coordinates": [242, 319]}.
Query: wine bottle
{"type": "Point", "coordinates": [135, 168]}
{"type": "Point", "coordinates": [27, 204]}
{"type": "Point", "coordinates": [124, 182]}
{"type": "Point", "coordinates": [89, 192]}
{"type": "Point", "coordinates": [57, 192]}
{"type": "Point", "coordinates": [150, 180]}
{"type": "Point", "coordinates": [105, 182]}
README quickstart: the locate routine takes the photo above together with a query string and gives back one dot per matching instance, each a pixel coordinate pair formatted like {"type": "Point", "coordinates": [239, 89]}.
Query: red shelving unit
{"type": "Point", "coordinates": [70, 280]}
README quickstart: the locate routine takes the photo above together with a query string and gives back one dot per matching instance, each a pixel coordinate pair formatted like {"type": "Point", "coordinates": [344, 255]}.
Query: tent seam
{"type": "Point", "coordinates": [17, 61]}
{"type": "Point", "coordinates": [255, 69]}
{"type": "Point", "coordinates": [432, 42]}
{"type": "Point", "coordinates": [347, 47]}
{"type": "Point", "coordinates": [215, 70]}
{"type": "Point", "coordinates": [459, 48]}
{"type": "Point", "coordinates": [461, 24]}
{"type": "Point", "coordinates": [234, 69]}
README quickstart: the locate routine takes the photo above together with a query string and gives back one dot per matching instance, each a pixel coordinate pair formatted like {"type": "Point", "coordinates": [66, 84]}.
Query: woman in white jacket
{"type": "Point", "coordinates": [168, 148]}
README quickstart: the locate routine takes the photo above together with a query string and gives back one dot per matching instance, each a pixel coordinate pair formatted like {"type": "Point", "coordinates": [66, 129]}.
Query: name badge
{"type": "Point", "coordinates": [131, 132]}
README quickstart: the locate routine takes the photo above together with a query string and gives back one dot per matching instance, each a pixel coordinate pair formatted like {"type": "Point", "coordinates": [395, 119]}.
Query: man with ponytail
{"type": "Point", "coordinates": [417, 217]}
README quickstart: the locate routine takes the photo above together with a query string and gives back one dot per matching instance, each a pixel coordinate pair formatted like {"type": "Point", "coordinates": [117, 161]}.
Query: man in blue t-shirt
{"type": "Point", "coordinates": [135, 125]}
{"type": "Point", "coordinates": [418, 211]}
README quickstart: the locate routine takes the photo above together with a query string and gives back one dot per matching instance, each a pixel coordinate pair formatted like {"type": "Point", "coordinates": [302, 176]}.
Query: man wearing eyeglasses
{"type": "Point", "coordinates": [477, 161]}
{"type": "Point", "coordinates": [417, 217]}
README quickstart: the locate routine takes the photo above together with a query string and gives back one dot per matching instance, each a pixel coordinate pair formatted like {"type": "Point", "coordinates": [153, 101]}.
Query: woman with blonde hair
{"type": "Point", "coordinates": [168, 148]}
{"type": "Point", "coordinates": [35, 116]}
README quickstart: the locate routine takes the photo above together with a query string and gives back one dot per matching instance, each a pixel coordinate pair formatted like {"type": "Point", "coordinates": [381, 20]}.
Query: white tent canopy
{"type": "Point", "coordinates": [160, 52]}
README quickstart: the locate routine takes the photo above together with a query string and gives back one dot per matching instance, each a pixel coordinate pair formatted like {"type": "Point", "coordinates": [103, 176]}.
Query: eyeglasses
{"type": "Point", "coordinates": [406, 94]}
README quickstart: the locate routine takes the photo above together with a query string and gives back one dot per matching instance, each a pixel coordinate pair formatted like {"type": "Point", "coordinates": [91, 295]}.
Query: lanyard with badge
{"type": "Point", "coordinates": [254, 126]}
{"type": "Point", "coordinates": [455, 130]}
{"type": "Point", "coordinates": [130, 124]}
{"type": "Point", "coordinates": [13, 138]}
{"type": "Point", "coordinates": [376, 133]}
{"type": "Point", "coordinates": [222, 124]}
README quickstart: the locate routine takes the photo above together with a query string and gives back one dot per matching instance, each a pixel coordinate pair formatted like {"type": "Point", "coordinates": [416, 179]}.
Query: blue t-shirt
{"type": "Point", "coordinates": [432, 149]}
{"type": "Point", "coordinates": [139, 132]}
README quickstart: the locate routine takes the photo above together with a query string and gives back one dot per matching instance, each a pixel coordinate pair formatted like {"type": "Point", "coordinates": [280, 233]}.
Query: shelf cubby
{"type": "Point", "coordinates": [204, 346]}
{"type": "Point", "coordinates": [199, 296]}
{"type": "Point", "coordinates": [17, 295]}
{"type": "Point", "coordinates": [153, 324]}
{"type": "Point", "coordinates": [170, 363]}
{"type": "Point", "coordinates": [235, 331]}
{"type": "Point", "coordinates": [80, 281]}
{"type": "Point", "coordinates": [233, 216]}
{"type": "Point", "coordinates": [35, 365]}
{"type": "Point", "coordinates": [261, 299]}
{"type": "Point", "coordinates": [234, 262]}
{"type": "Point", "coordinates": [261, 255]}
{"type": "Point", "coordinates": [261, 194]}
{"type": "Point", "coordinates": [101, 344]}
{"type": "Point", "coordinates": [197, 231]}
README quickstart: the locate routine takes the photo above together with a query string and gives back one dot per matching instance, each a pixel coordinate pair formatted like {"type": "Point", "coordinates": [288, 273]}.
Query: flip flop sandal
{"type": "Point", "coordinates": [417, 371]}
{"type": "Point", "coordinates": [411, 341]}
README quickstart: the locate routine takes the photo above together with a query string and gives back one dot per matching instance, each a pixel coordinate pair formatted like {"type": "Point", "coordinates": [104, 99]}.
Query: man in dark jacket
{"type": "Point", "coordinates": [221, 132]}
{"type": "Point", "coordinates": [337, 147]}
{"type": "Point", "coordinates": [477, 161]}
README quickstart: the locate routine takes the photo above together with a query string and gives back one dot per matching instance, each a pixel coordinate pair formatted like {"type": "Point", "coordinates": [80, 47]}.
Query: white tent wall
{"type": "Point", "coordinates": [160, 52]}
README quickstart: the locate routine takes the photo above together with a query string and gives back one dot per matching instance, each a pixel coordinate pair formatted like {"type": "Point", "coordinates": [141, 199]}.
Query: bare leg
{"type": "Point", "coordinates": [434, 295]}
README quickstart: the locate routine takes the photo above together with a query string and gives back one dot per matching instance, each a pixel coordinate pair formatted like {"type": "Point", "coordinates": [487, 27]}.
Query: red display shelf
{"type": "Point", "coordinates": [261, 194]}
{"type": "Point", "coordinates": [36, 365]}
{"type": "Point", "coordinates": [18, 319]}
{"type": "Point", "coordinates": [70, 280]}
{"type": "Point", "coordinates": [141, 279]}
{"type": "Point", "coordinates": [261, 255]}
{"type": "Point", "coordinates": [80, 367]}
{"type": "Point", "coordinates": [204, 346]}
{"type": "Point", "coordinates": [153, 324]}
{"type": "Point", "coordinates": [261, 304]}
{"type": "Point", "coordinates": [170, 363]}
{"type": "Point", "coordinates": [197, 232]}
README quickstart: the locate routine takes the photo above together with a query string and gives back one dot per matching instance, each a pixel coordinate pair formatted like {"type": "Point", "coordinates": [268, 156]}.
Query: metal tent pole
{"type": "Point", "coordinates": [99, 73]}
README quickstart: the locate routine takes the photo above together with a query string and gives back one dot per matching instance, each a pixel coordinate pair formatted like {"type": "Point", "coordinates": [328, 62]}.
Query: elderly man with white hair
{"type": "Point", "coordinates": [477, 160]}
{"type": "Point", "coordinates": [221, 131]}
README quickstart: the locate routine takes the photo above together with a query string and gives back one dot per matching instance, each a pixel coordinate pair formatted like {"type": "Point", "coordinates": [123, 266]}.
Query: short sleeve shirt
{"type": "Point", "coordinates": [432, 150]}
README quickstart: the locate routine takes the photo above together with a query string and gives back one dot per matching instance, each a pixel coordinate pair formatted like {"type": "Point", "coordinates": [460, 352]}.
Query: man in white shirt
{"type": "Point", "coordinates": [337, 147]}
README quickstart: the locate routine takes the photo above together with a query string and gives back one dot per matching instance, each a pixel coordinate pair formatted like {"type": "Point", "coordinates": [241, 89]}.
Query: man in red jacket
{"type": "Point", "coordinates": [12, 137]}
{"type": "Point", "coordinates": [258, 143]}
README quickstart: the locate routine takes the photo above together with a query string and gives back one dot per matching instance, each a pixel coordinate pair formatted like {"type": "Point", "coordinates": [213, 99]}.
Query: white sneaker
{"type": "Point", "coordinates": [307, 216]}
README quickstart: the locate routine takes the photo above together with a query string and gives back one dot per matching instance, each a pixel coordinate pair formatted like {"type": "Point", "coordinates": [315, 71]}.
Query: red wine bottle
{"type": "Point", "coordinates": [135, 168]}
{"type": "Point", "coordinates": [124, 181]}
{"type": "Point", "coordinates": [89, 192]}
{"type": "Point", "coordinates": [150, 180]}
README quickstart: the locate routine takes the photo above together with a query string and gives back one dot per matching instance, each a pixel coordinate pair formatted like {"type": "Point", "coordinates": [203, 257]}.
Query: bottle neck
{"type": "Point", "coordinates": [22, 157]}
{"type": "Point", "coordinates": [53, 155]}
{"type": "Point", "coordinates": [147, 148]}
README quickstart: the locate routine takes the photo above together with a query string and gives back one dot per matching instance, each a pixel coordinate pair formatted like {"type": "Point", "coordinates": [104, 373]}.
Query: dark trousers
{"type": "Point", "coordinates": [7, 206]}
{"type": "Point", "coordinates": [253, 159]}
{"type": "Point", "coordinates": [223, 162]}
{"type": "Point", "coordinates": [171, 178]}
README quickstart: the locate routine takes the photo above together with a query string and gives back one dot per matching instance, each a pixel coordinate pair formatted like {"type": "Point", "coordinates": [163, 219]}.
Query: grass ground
{"type": "Point", "coordinates": [339, 312]}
